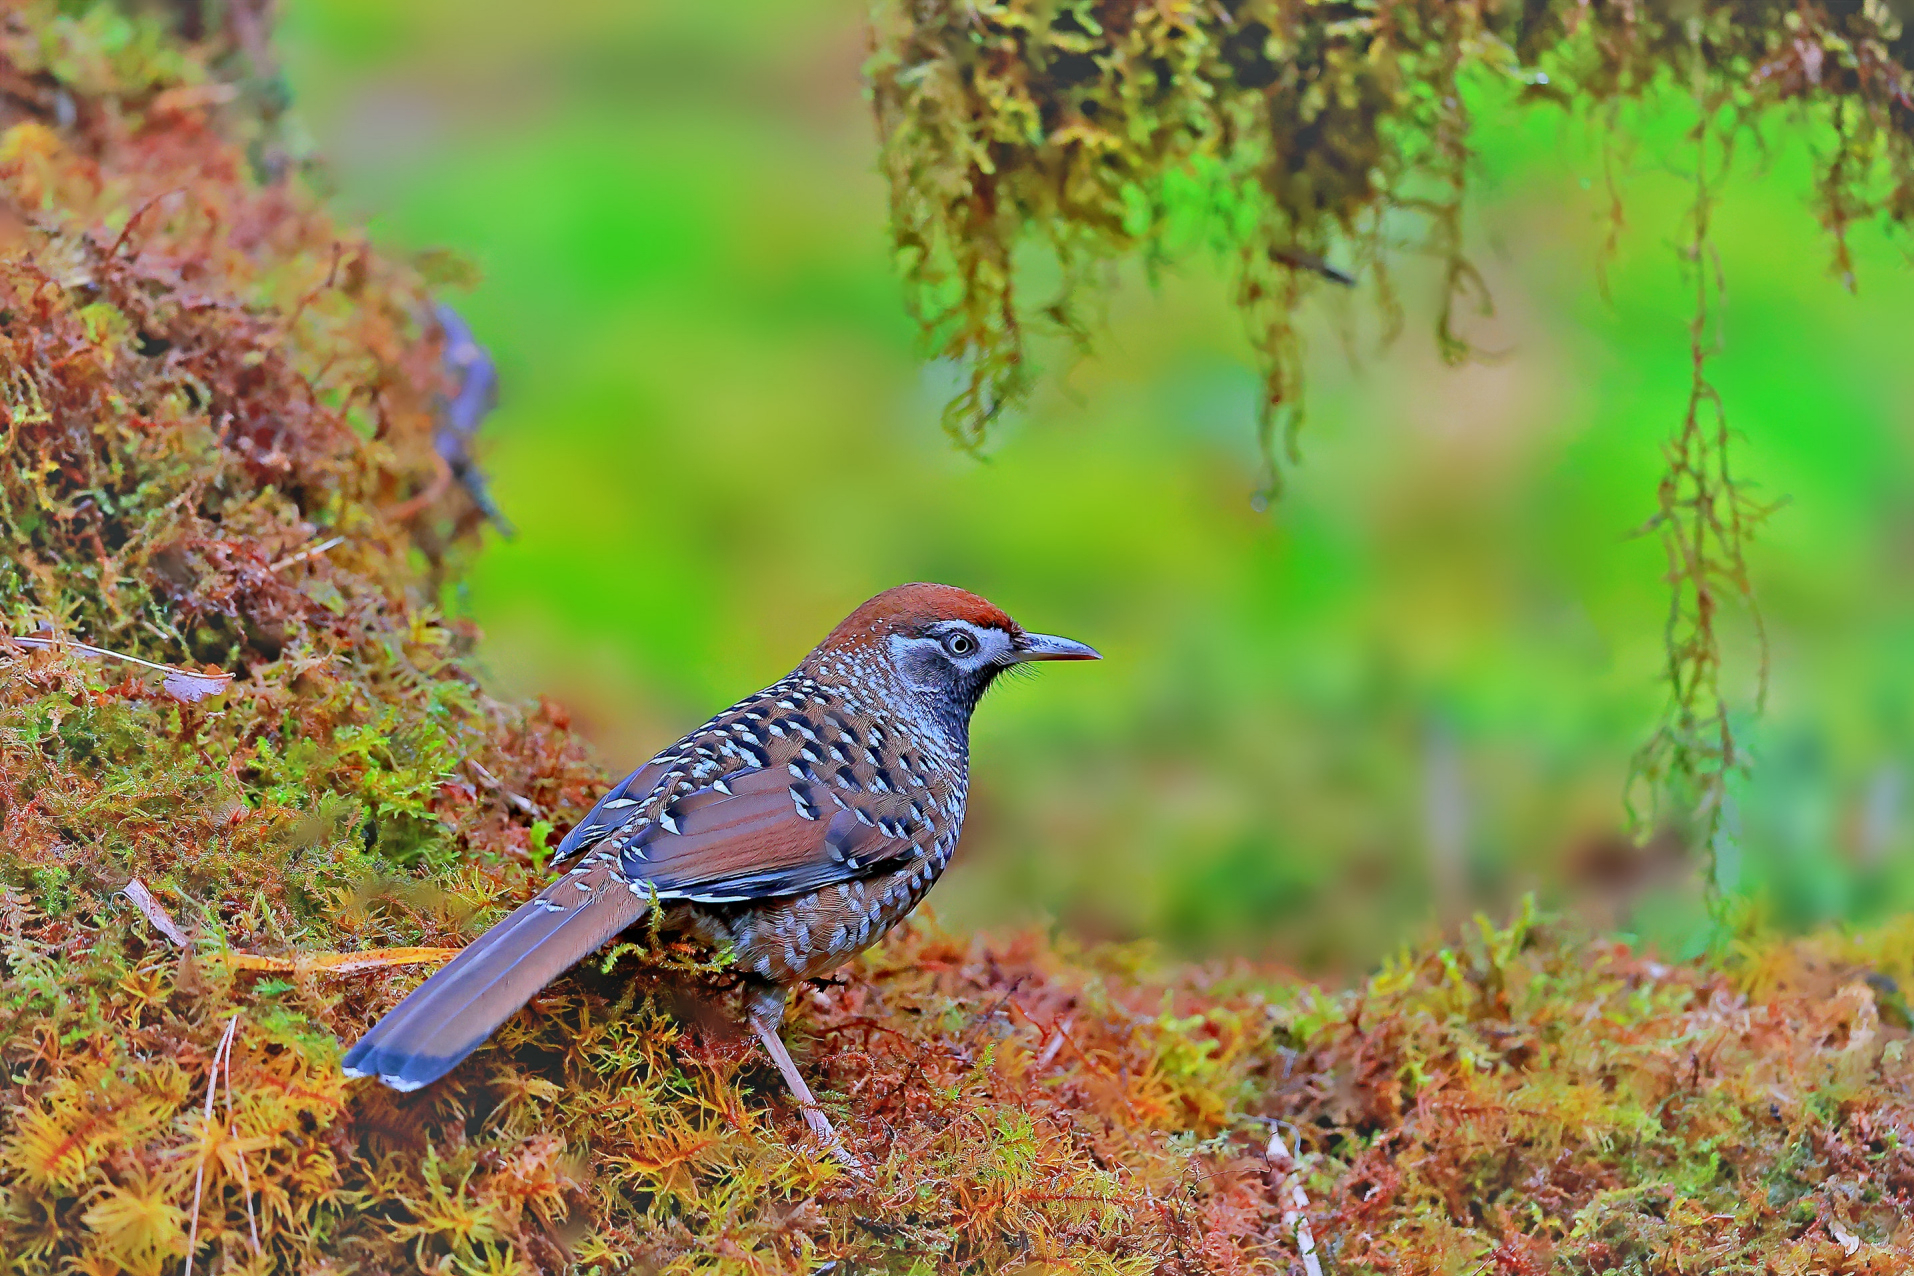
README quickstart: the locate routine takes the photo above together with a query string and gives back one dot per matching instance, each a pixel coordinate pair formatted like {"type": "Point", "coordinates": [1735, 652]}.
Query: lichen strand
{"type": "Point", "coordinates": [1704, 514]}
{"type": "Point", "coordinates": [204, 378]}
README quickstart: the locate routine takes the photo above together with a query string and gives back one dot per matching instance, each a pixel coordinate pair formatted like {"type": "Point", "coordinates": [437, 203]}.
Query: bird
{"type": "Point", "coordinates": [791, 831]}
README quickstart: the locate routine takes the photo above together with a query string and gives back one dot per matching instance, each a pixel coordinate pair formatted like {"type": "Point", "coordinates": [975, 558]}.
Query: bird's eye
{"type": "Point", "coordinates": [959, 643]}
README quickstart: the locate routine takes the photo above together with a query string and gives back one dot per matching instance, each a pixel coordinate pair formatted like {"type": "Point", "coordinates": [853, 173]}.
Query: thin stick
{"type": "Point", "coordinates": [232, 1128]}
{"type": "Point", "coordinates": [199, 1175]}
{"type": "Point", "coordinates": [1296, 1209]}
{"type": "Point", "coordinates": [308, 552]}
{"type": "Point", "coordinates": [339, 963]}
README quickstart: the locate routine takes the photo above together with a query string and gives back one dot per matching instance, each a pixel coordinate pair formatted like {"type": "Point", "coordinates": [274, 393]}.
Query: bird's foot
{"type": "Point", "coordinates": [827, 1135]}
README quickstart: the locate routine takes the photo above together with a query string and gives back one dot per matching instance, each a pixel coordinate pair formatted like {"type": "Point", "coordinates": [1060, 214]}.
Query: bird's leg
{"type": "Point", "coordinates": [813, 1115]}
{"type": "Point", "coordinates": [765, 1012]}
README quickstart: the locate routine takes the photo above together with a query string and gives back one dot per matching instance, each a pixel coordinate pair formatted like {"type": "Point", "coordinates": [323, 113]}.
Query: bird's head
{"type": "Point", "coordinates": [941, 643]}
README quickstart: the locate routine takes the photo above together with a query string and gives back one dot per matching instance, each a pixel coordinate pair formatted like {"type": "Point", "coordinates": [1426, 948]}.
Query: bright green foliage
{"type": "Point", "coordinates": [183, 378]}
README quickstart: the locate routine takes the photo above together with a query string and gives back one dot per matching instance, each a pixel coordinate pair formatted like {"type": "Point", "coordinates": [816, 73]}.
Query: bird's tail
{"type": "Point", "coordinates": [451, 1014]}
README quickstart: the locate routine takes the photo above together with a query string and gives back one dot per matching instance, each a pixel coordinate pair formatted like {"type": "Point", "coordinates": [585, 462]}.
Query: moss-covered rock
{"type": "Point", "coordinates": [219, 419]}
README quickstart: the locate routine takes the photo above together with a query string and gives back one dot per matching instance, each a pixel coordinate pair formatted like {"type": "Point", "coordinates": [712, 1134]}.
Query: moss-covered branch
{"type": "Point", "coordinates": [1291, 132]}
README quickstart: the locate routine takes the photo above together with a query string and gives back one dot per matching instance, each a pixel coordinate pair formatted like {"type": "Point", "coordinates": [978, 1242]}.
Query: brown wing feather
{"type": "Point", "coordinates": [757, 842]}
{"type": "Point", "coordinates": [620, 805]}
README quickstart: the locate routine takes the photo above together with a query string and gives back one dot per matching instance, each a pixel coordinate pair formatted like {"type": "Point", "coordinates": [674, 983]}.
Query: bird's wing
{"type": "Point", "coordinates": [780, 794]}
{"type": "Point", "coordinates": [612, 812]}
{"type": "Point", "coordinates": [768, 833]}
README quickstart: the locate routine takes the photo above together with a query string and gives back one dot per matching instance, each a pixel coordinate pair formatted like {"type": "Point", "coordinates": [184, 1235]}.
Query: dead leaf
{"type": "Point", "coordinates": [154, 912]}
{"type": "Point", "coordinates": [191, 688]}
{"type": "Point", "coordinates": [188, 686]}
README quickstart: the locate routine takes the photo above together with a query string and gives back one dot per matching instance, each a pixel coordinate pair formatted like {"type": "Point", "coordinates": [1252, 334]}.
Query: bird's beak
{"type": "Point", "coordinates": [1050, 647]}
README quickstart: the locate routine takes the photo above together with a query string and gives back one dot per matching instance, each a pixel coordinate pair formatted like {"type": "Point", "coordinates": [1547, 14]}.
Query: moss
{"type": "Point", "coordinates": [200, 388]}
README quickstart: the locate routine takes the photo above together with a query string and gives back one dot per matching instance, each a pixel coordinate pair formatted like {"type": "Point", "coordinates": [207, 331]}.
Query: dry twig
{"type": "Point", "coordinates": [311, 551]}
{"type": "Point", "coordinates": [223, 1054]}
{"type": "Point", "coordinates": [340, 963]}
{"type": "Point", "coordinates": [232, 1129]}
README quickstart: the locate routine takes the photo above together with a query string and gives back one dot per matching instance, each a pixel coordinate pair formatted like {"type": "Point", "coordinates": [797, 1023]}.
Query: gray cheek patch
{"type": "Point", "coordinates": [919, 662]}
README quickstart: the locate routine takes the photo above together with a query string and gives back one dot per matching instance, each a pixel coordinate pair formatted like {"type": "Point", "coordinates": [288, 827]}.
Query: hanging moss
{"type": "Point", "coordinates": [1290, 133]}
{"type": "Point", "coordinates": [1314, 141]}
{"type": "Point", "coordinates": [219, 449]}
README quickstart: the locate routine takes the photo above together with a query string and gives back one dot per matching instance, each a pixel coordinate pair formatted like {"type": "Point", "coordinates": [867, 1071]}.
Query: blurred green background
{"type": "Point", "coordinates": [1408, 691]}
